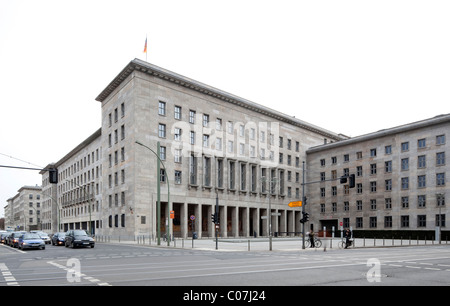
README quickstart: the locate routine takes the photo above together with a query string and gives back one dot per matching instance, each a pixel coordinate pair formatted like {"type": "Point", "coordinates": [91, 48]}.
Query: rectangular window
{"type": "Point", "coordinates": [177, 112]}
{"type": "Point", "coordinates": [162, 130]}
{"type": "Point", "coordinates": [161, 108]}
{"type": "Point", "coordinates": [192, 116]}
{"type": "Point", "coordinates": [193, 170]}
{"type": "Point", "coordinates": [206, 171]}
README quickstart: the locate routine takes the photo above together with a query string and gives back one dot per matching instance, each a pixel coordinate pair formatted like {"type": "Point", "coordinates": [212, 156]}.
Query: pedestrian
{"type": "Point", "coordinates": [311, 239]}
{"type": "Point", "coordinates": [348, 236]}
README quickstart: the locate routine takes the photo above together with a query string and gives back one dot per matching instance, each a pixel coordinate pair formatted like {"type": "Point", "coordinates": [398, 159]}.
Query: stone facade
{"type": "Point", "coordinates": [23, 211]}
{"type": "Point", "coordinates": [401, 179]}
{"type": "Point", "coordinates": [213, 144]}
{"type": "Point", "coordinates": [75, 201]}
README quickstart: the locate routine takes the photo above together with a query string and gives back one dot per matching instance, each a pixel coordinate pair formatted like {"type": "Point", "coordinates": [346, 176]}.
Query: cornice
{"type": "Point", "coordinates": [440, 119]}
{"type": "Point", "coordinates": [142, 66]}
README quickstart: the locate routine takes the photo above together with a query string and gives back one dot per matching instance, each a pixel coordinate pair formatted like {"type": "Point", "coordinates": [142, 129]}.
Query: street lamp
{"type": "Point", "coordinates": [158, 209]}
{"type": "Point", "coordinates": [272, 181]}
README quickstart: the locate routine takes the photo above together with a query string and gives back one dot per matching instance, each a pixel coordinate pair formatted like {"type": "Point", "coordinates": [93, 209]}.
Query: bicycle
{"type": "Point", "coordinates": [317, 243]}
{"type": "Point", "coordinates": [343, 244]}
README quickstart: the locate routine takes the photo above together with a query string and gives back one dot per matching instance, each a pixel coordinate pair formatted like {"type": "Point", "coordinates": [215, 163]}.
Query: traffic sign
{"type": "Point", "coordinates": [192, 217]}
{"type": "Point", "coordinates": [295, 204]}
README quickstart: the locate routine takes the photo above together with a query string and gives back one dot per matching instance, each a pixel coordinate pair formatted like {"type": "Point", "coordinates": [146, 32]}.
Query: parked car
{"type": "Point", "coordinates": [75, 238]}
{"type": "Point", "coordinates": [14, 238]}
{"type": "Point", "coordinates": [30, 241]}
{"type": "Point", "coordinates": [58, 238]}
{"type": "Point", "coordinates": [43, 235]}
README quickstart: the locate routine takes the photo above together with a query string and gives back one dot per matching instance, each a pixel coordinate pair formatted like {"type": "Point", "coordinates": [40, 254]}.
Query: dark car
{"type": "Point", "coordinates": [4, 237]}
{"type": "Point", "coordinates": [76, 238]}
{"type": "Point", "coordinates": [58, 238]}
{"type": "Point", "coordinates": [30, 241]}
{"type": "Point", "coordinates": [14, 238]}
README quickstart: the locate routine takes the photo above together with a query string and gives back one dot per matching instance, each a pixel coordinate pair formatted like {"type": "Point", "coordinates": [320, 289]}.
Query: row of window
{"type": "Point", "coordinates": [439, 220]}
{"type": "Point", "coordinates": [404, 202]}
{"type": "Point", "coordinates": [388, 166]}
{"type": "Point", "coordinates": [230, 128]}
{"type": "Point", "coordinates": [404, 185]}
{"type": "Point", "coordinates": [405, 147]}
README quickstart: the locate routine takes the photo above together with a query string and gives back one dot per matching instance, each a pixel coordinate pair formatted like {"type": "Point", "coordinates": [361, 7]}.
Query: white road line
{"type": "Point", "coordinates": [7, 275]}
{"type": "Point", "coordinates": [79, 274]}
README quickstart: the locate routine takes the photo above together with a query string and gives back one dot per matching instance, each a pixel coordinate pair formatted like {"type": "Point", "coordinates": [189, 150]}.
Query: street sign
{"type": "Point", "coordinates": [295, 204]}
{"type": "Point", "coordinates": [192, 217]}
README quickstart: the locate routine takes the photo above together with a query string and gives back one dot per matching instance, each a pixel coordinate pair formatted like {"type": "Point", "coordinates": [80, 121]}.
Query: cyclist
{"type": "Point", "coordinates": [347, 236]}
{"type": "Point", "coordinates": [311, 239]}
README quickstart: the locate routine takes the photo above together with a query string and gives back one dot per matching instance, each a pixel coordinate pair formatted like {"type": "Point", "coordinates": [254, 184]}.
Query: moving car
{"type": "Point", "coordinates": [75, 238]}
{"type": "Point", "coordinates": [14, 238]}
{"type": "Point", "coordinates": [31, 241]}
{"type": "Point", "coordinates": [58, 238]}
{"type": "Point", "coordinates": [43, 235]}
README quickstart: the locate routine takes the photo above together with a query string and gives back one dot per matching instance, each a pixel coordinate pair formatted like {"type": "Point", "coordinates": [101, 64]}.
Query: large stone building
{"type": "Point", "coordinates": [401, 179]}
{"type": "Point", "coordinates": [214, 145]}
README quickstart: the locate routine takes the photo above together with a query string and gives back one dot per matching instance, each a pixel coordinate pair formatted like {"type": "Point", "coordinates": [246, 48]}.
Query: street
{"type": "Point", "coordinates": [112, 264]}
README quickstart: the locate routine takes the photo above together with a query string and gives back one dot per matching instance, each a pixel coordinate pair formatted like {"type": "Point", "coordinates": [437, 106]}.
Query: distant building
{"type": "Point", "coordinates": [23, 211]}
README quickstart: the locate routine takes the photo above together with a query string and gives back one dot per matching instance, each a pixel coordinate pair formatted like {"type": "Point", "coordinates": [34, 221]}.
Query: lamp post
{"type": "Point", "coordinates": [158, 208]}
{"type": "Point", "coordinates": [271, 182]}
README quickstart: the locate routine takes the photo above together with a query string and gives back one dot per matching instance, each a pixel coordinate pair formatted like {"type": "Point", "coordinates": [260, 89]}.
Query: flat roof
{"type": "Point", "coordinates": [445, 118]}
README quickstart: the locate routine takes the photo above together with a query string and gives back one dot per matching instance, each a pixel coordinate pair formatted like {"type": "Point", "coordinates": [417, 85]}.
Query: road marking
{"type": "Point", "coordinates": [7, 275]}
{"type": "Point", "coordinates": [79, 274]}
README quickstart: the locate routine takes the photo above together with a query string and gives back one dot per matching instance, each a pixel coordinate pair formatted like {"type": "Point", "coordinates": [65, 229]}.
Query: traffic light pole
{"type": "Point", "coordinates": [303, 207]}
{"type": "Point", "coordinates": [216, 220]}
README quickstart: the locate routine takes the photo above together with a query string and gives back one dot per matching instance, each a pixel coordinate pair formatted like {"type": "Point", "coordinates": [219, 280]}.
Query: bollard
{"type": "Point", "coordinates": [249, 245]}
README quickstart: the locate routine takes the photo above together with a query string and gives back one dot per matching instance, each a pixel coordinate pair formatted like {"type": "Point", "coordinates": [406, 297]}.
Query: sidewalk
{"type": "Point", "coordinates": [278, 244]}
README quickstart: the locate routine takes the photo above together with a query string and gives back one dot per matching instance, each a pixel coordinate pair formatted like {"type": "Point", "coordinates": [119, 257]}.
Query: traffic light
{"type": "Point", "coordinates": [53, 176]}
{"type": "Point", "coordinates": [351, 181]}
{"type": "Point", "coordinates": [305, 217]}
{"type": "Point", "coordinates": [214, 218]}
{"type": "Point", "coordinates": [343, 179]}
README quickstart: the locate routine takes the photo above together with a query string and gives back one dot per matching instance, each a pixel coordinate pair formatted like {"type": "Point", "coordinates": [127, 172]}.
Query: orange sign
{"type": "Point", "coordinates": [172, 214]}
{"type": "Point", "coordinates": [295, 204]}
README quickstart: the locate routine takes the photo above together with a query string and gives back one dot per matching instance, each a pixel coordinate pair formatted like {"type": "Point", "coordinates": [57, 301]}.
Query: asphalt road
{"type": "Point", "coordinates": [126, 265]}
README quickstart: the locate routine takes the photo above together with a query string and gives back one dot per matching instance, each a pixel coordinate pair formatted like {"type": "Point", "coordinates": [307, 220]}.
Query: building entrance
{"type": "Point", "coordinates": [328, 224]}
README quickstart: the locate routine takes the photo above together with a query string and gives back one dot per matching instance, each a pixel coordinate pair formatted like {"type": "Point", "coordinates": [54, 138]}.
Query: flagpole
{"type": "Point", "coordinates": [146, 47]}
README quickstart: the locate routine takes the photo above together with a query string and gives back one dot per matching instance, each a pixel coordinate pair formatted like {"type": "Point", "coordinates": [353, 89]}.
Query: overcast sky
{"type": "Point", "coordinates": [352, 67]}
